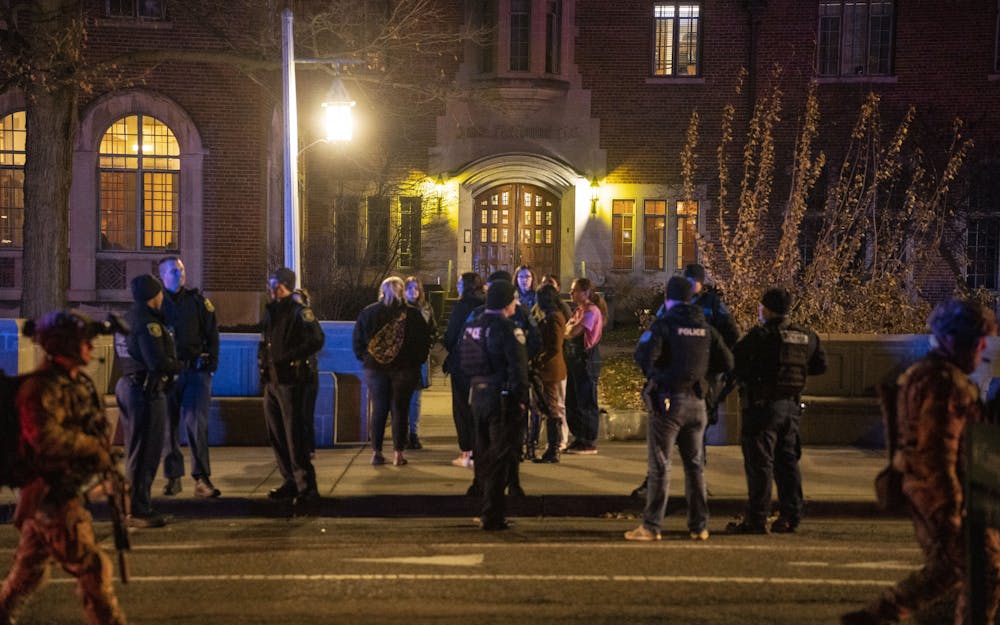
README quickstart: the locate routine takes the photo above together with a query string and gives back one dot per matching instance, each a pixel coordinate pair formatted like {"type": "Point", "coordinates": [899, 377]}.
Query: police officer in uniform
{"type": "Point", "coordinates": [676, 355]}
{"type": "Point", "coordinates": [148, 366]}
{"type": "Point", "coordinates": [772, 362]}
{"type": "Point", "coordinates": [498, 378]}
{"type": "Point", "coordinates": [191, 317]}
{"type": "Point", "coordinates": [935, 403]}
{"type": "Point", "coordinates": [292, 335]}
{"type": "Point", "coordinates": [66, 440]}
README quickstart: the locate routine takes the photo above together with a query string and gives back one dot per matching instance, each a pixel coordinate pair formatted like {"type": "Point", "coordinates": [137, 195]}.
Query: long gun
{"type": "Point", "coordinates": [118, 506]}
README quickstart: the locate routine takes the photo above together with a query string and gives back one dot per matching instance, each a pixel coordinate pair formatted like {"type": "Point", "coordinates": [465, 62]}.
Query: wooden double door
{"type": "Point", "coordinates": [515, 224]}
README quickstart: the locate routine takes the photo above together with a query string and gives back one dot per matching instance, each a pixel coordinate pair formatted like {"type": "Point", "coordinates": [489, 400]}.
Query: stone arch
{"type": "Point", "coordinates": [84, 225]}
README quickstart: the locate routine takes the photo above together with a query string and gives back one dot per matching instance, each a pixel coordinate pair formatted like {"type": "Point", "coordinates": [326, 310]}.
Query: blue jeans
{"type": "Point", "coordinates": [582, 413]}
{"type": "Point", "coordinates": [415, 400]}
{"type": "Point", "coordinates": [188, 404]}
{"type": "Point", "coordinates": [683, 423]}
{"type": "Point", "coordinates": [390, 390]}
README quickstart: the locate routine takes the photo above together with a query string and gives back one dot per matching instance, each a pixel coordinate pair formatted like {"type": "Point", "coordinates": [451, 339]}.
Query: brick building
{"type": "Point", "coordinates": [558, 142]}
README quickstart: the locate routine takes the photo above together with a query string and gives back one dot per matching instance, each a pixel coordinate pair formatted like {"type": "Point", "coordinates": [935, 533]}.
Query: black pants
{"type": "Point", "coordinates": [283, 411]}
{"type": "Point", "coordinates": [462, 412]}
{"type": "Point", "coordinates": [143, 416]}
{"type": "Point", "coordinates": [497, 439]}
{"type": "Point", "coordinates": [771, 452]}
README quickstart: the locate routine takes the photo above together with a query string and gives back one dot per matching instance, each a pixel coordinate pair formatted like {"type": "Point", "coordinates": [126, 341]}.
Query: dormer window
{"type": "Point", "coordinates": [519, 37]}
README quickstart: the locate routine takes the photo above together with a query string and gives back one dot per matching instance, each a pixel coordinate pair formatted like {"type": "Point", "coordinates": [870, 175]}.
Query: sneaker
{"type": "Point", "coordinates": [146, 520]}
{"type": "Point", "coordinates": [515, 491]}
{"type": "Point", "coordinates": [204, 488]}
{"type": "Point", "coordinates": [173, 487]}
{"type": "Point", "coordinates": [642, 534]}
{"type": "Point", "coordinates": [572, 446]}
{"type": "Point", "coordinates": [640, 491]}
{"type": "Point", "coordinates": [744, 528]}
{"type": "Point", "coordinates": [306, 498]}
{"type": "Point", "coordinates": [551, 456]}
{"type": "Point", "coordinates": [583, 450]}
{"type": "Point", "coordinates": [414, 442]}
{"type": "Point", "coordinates": [283, 492]}
{"type": "Point", "coordinates": [474, 491]}
{"type": "Point", "coordinates": [496, 526]}
{"type": "Point", "coordinates": [463, 461]}
{"type": "Point", "coordinates": [377, 458]}
{"type": "Point", "coordinates": [782, 525]}
{"type": "Point", "coordinates": [399, 459]}
{"type": "Point", "coordinates": [702, 535]}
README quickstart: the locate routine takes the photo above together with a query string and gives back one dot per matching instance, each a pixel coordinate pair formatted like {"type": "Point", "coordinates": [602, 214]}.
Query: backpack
{"type": "Point", "coordinates": [12, 470]}
{"type": "Point", "coordinates": [473, 354]}
{"type": "Point", "coordinates": [385, 344]}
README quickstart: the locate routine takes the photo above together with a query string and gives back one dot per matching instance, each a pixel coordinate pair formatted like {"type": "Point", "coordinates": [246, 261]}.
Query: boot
{"type": "Point", "coordinates": [551, 456]}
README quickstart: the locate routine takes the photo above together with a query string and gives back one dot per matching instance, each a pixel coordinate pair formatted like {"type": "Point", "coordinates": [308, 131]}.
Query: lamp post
{"type": "Point", "coordinates": [338, 122]}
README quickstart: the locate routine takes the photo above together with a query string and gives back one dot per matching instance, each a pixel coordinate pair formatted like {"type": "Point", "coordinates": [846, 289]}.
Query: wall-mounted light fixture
{"type": "Point", "coordinates": [595, 196]}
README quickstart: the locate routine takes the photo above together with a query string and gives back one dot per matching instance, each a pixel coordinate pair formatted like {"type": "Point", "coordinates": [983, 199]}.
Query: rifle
{"type": "Point", "coordinates": [119, 507]}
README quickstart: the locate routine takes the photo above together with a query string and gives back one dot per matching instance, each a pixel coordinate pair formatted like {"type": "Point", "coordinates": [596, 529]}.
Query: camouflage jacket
{"type": "Point", "coordinates": [936, 400]}
{"type": "Point", "coordinates": [65, 434]}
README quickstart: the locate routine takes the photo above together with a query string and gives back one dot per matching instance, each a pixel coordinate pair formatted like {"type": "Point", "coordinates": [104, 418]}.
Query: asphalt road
{"type": "Point", "coordinates": [445, 571]}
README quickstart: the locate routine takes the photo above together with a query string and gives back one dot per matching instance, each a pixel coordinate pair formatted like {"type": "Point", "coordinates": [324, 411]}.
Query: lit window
{"type": "Point", "coordinates": [139, 171]}
{"type": "Point", "coordinates": [982, 236]}
{"type": "Point", "coordinates": [622, 231]}
{"type": "Point", "coordinates": [855, 38]}
{"type": "Point", "coordinates": [687, 230]}
{"type": "Point", "coordinates": [654, 228]}
{"type": "Point", "coordinates": [676, 38]}
{"type": "Point", "coordinates": [12, 137]}
{"type": "Point", "coordinates": [409, 231]}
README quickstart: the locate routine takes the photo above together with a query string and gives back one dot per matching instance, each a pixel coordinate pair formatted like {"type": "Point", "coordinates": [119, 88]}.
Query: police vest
{"type": "Point", "coordinates": [793, 361]}
{"type": "Point", "coordinates": [688, 356]}
{"type": "Point", "coordinates": [473, 352]}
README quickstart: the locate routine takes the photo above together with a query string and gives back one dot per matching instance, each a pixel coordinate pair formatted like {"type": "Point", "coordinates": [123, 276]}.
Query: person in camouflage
{"type": "Point", "coordinates": [936, 400]}
{"type": "Point", "coordinates": [66, 441]}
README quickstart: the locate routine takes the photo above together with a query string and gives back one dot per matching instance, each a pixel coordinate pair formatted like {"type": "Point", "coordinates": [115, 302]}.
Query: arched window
{"type": "Point", "coordinates": [12, 136]}
{"type": "Point", "coordinates": [139, 185]}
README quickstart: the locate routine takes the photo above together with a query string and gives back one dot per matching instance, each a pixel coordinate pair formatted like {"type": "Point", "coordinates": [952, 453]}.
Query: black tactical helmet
{"type": "Point", "coordinates": [59, 332]}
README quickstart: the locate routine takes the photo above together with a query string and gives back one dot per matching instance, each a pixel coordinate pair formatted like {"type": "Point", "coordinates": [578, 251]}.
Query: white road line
{"type": "Point", "coordinates": [472, 559]}
{"type": "Point", "coordinates": [379, 577]}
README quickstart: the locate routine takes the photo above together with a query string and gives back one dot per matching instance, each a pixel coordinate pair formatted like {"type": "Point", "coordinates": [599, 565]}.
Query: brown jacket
{"type": "Point", "coordinates": [551, 365]}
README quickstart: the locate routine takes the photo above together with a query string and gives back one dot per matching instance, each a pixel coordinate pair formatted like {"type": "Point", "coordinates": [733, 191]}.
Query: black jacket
{"type": "Point", "coordinates": [505, 346]}
{"type": "Point", "coordinates": [681, 349]}
{"type": "Point", "coordinates": [149, 347]}
{"type": "Point", "coordinates": [416, 336]}
{"type": "Point", "coordinates": [456, 322]}
{"type": "Point", "coordinates": [191, 316]}
{"type": "Point", "coordinates": [758, 356]}
{"type": "Point", "coordinates": [291, 335]}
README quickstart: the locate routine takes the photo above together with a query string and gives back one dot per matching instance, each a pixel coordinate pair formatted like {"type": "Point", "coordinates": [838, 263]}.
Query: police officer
{"type": "Point", "coordinates": [935, 402]}
{"type": "Point", "coordinates": [291, 336]}
{"type": "Point", "coordinates": [311, 386]}
{"type": "Point", "coordinates": [772, 362]}
{"type": "Point", "coordinates": [497, 369]}
{"type": "Point", "coordinates": [471, 296]}
{"type": "Point", "coordinates": [676, 355]}
{"type": "Point", "coordinates": [148, 366]}
{"type": "Point", "coordinates": [191, 318]}
{"type": "Point", "coordinates": [66, 439]}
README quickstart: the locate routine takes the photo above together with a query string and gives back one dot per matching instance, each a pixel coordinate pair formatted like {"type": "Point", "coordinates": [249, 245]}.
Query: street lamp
{"type": "Point", "coordinates": [338, 128]}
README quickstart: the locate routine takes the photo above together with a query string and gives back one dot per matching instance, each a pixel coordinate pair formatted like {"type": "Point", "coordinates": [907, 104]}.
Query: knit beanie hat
{"type": "Point", "coordinates": [679, 289]}
{"type": "Point", "coordinates": [500, 293]}
{"type": "Point", "coordinates": [145, 287]}
{"type": "Point", "coordinates": [777, 300]}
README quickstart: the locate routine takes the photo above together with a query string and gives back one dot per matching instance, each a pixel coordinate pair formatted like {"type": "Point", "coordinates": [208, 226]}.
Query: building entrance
{"type": "Point", "coordinates": [515, 224]}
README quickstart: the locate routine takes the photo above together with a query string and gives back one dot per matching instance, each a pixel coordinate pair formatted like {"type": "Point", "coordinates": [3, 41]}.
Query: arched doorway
{"type": "Point", "coordinates": [515, 224]}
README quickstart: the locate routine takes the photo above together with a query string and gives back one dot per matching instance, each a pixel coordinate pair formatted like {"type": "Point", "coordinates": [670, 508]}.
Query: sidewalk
{"type": "Point", "coordinates": [837, 481]}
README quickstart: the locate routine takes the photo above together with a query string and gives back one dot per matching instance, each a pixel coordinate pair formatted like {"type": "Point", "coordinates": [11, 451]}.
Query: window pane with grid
{"type": "Point", "coordinates": [151, 9]}
{"type": "Point", "coordinates": [553, 36]}
{"type": "Point", "coordinates": [687, 229]}
{"type": "Point", "coordinates": [140, 185]}
{"type": "Point", "coordinates": [118, 210]}
{"type": "Point", "coordinates": [520, 35]}
{"type": "Point", "coordinates": [159, 211]}
{"type": "Point", "coordinates": [855, 38]}
{"type": "Point", "coordinates": [378, 230]}
{"type": "Point", "coordinates": [654, 228]}
{"type": "Point", "coordinates": [663, 43]}
{"type": "Point", "coordinates": [622, 226]}
{"type": "Point", "coordinates": [12, 137]}
{"type": "Point", "coordinates": [983, 251]}
{"type": "Point", "coordinates": [687, 46]}
{"type": "Point", "coordinates": [119, 8]}
{"type": "Point", "coordinates": [409, 231]}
